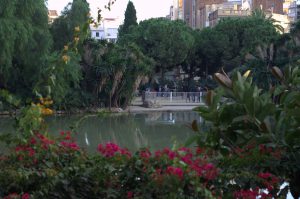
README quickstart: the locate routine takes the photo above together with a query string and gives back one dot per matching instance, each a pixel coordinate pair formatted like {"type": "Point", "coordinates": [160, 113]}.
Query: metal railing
{"type": "Point", "coordinates": [173, 97]}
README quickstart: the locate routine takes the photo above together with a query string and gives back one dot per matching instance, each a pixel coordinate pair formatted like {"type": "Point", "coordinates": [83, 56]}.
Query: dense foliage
{"type": "Point", "coordinates": [167, 42]}
{"type": "Point", "coordinates": [75, 14]}
{"type": "Point", "coordinates": [80, 73]}
{"type": "Point", "coordinates": [25, 43]}
{"type": "Point", "coordinates": [249, 150]}
{"type": "Point", "coordinates": [251, 126]}
{"type": "Point", "coordinates": [114, 72]}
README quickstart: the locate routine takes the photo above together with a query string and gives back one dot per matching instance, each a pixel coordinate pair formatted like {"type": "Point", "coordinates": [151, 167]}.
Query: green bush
{"type": "Point", "coordinates": [254, 131]}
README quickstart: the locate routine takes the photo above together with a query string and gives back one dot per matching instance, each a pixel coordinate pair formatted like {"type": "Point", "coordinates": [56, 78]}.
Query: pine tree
{"type": "Point", "coordinates": [74, 15]}
{"type": "Point", "coordinates": [130, 19]}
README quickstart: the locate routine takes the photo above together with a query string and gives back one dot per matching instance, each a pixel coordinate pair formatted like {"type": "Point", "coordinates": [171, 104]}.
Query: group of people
{"type": "Point", "coordinates": [164, 91]}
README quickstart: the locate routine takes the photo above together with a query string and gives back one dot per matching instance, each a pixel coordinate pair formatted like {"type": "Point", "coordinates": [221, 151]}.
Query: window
{"type": "Point", "coordinates": [97, 34]}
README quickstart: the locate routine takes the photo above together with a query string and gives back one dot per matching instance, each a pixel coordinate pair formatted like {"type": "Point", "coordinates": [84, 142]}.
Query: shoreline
{"type": "Point", "coordinates": [140, 109]}
{"type": "Point", "coordinates": [129, 109]}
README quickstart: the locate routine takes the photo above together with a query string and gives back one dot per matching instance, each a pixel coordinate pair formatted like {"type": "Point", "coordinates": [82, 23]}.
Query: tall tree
{"type": "Point", "coordinates": [234, 41]}
{"type": "Point", "coordinates": [25, 42]}
{"type": "Point", "coordinates": [130, 19]}
{"type": "Point", "coordinates": [115, 71]}
{"type": "Point", "coordinates": [167, 42]}
{"type": "Point", "coordinates": [75, 14]}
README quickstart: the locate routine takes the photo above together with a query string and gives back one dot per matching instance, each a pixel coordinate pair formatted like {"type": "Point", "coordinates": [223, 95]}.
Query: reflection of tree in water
{"type": "Point", "coordinates": [172, 117]}
{"type": "Point", "coordinates": [139, 139]}
{"type": "Point", "coordinates": [153, 116]}
{"type": "Point", "coordinates": [131, 131]}
{"type": "Point", "coordinates": [123, 130]}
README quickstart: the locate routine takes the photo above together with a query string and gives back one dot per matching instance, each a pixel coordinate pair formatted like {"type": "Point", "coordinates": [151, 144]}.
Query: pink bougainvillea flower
{"type": "Point", "coordinates": [109, 150]}
{"type": "Point", "coordinates": [145, 154]}
{"type": "Point", "coordinates": [264, 175]}
{"type": "Point", "coordinates": [269, 180]}
{"type": "Point", "coordinates": [33, 141]}
{"type": "Point", "coordinates": [171, 154]}
{"type": "Point", "coordinates": [246, 194]}
{"type": "Point", "coordinates": [175, 171]}
{"type": "Point", "coordinates": [129, 194]}
{"type": "Point", "coordinates": [70, 145]}
{"type": "Point", "coordinates": [125, 152]}
{"type": "Point", "coordinates": [12, 196]}
{"type": "Point", "coordinates": [26, 196]}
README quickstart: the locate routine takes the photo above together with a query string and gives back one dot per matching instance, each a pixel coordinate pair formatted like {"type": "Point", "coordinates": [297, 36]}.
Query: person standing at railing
{"type": "Point", "coordinates": [198, 93]}
{"type": "Point", "coordinates": [188, 97]}
{"type": "Point", "coordinates": [166, 89]}
{"type": "Point", "coordinates": [159, 91]}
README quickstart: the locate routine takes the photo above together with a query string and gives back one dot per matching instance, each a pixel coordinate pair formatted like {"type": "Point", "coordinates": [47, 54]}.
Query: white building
{"type": "Point", "coordinates": [52, 15]}
{"type": "Point", "coordinates": [294, 10]}
{"type": "Point", "coordinates": [107, 30]}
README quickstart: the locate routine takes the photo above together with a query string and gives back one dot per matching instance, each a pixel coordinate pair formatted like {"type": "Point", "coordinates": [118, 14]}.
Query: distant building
{"type": "Point", "coordinates": [286, 6]}
{"type": "Point", "coordinates": [222, 13]}
{"type": "Point", "coordinates": [176, 10]}
{"type": "Point", "coordinates": [247, 5]}
{"type": "Point", "coordinates": [283, 20]}
{"type": "Point", "coordinates": [199, 14]}
{"type": "Point", "coordinates": [205, 7]}
{"type": "Point", "coordinates": [229, 9]}
{"type": "Point", "coordinates": [52, 15]}
{"type": "Point", "coordinates": [193, 12]}
{"type": "Point", "coordinates": [294, 10]}
{"type": "Point", "coordinates": [275, 6]}
{"type": "Point", "coordinates": [107, 30]}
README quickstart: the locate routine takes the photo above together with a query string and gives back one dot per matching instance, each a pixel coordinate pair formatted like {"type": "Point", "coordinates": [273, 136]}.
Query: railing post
{"type": "Point", "coordinates": [200, 97]}
{"type": "Point", "coordinates": [171, 97]}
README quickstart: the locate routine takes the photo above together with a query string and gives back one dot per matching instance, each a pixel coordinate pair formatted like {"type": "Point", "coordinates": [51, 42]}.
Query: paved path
{"type": "Point", "coordinates": [137, 109]}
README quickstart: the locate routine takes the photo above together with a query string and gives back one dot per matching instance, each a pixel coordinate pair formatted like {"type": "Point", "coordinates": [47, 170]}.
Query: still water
{"type": "Point", "coordinates": [156, 130]}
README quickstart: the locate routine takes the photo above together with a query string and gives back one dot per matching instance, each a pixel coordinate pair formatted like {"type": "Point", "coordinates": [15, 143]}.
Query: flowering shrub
{"type": "Point", "coordinates": [163, 174]}
{"type": "Point", "coordinates": [56, 167]}
{"type": "Point", "coordinates": [44, 167]}
{"type": "Point", "coordinates": [17, 196]}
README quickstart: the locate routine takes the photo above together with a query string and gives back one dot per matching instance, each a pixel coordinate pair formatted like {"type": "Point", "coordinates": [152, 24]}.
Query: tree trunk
{"type": "Point", "coordinates": [117, 79]}
{"type": "Point", "coordinates": [2, 84]}
{"type": "Point", "coordinates": [115, 100]}
{"type": "Point", "coordinates": [110, 101]}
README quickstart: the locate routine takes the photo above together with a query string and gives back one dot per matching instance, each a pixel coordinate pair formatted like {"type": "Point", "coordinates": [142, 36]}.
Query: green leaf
{"type": "Point", "coordinates": [191, 140]}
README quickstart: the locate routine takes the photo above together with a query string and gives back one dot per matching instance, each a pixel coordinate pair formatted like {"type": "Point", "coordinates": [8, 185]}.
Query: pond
{"type": "Point", "coordinates": [156, 130]}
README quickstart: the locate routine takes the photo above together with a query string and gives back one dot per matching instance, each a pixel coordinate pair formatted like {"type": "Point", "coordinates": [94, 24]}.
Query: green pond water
{"type": "Point", "coordinates": [156, 130]}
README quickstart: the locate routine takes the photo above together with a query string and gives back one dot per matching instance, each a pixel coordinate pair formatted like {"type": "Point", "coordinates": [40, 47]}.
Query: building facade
{"type": "Point", "coordinates": [286, 6]}
{"type": "Point", "coordinates": [52, 15]}
{"type": "Point", "coordinates": [222, 13]}
{"type": "Point", "coordinates": [204, 12]}
{"type": "Point", "coordinates": [294, 10]}
{"type": "Point", "coordinates": [199, 14]}
{"type": "Point", "coordinates": [107, 30]}
{"type": "Point", "coordinates": [228, 9]}
{"type": "Point", "coordinates": [274, 6]}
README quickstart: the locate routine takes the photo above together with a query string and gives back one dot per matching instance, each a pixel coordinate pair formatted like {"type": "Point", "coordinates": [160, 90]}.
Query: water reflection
{"type": "Point", "coordinates": [172, 117]}
{"type": "Point", "coordinates": [155, 129]}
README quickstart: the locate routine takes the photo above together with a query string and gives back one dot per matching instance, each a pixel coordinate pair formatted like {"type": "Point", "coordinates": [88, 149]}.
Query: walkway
{"type": "Point", "coordinates": [139, 109]}
{"type": "Point", "coordinates": [169, 101]}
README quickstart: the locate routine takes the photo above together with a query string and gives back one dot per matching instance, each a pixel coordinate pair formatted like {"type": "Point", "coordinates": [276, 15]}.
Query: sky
{"type": "Point", "coordinates": [145, 8]}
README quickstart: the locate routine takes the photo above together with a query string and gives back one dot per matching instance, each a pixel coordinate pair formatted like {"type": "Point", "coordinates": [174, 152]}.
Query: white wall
{"type": "Point", "coordinates": [110, 34]}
